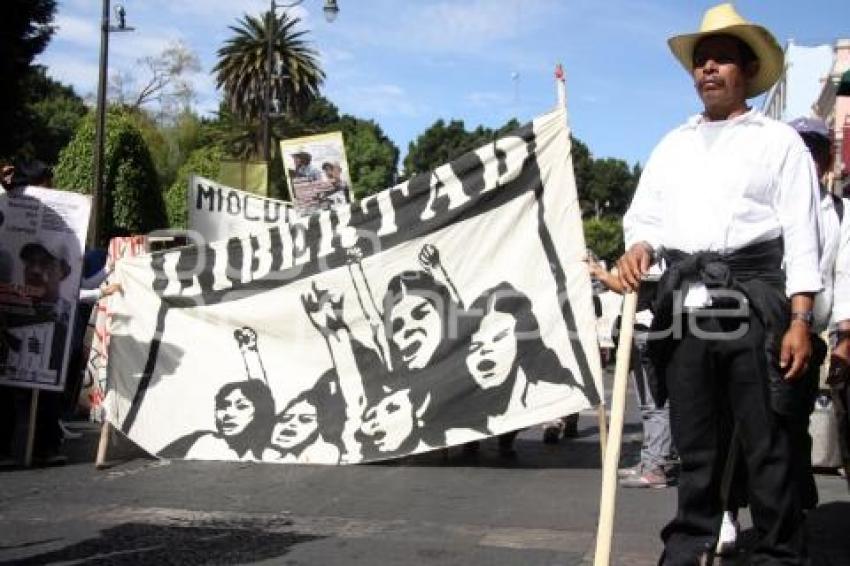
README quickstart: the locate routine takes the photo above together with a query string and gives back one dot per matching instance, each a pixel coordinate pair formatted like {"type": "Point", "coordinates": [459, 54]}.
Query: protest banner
{"type": "Point", "coordinates": [446, 309]}
{"type": "Point", "coordinates": [42, 233]}
{"type": "Point", "coordinates": [94, 389]}
{"type": "Point", "coordinates": [218, 212]}
{"type": "Point", "coordinates": [316, 172]}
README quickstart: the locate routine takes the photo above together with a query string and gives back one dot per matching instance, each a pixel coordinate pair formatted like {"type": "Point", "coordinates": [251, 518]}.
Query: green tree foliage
{"type": "Point", "coordinates": [242, 68]}
{"type": "Point", "coordinates": [611, 186]}
{"type": "Point", "coordinates": [205, 161]}
{"type": "Point", "coordinates": [53, 114]}
{"type": "Point", "coordinates": [25, 30]}
{"type": "Point", "coordinates": [372, 156]}
{"type": "Point", "coordinates": [132, 198]}
{"type": "Point", "coordinates": [582, 164]}
{"type": "Point", "coordinates": [442, 143]}
{"type": "Point", "coordinates": [170, 143]}
{"type": "Point", "coordinates": [605, 237]}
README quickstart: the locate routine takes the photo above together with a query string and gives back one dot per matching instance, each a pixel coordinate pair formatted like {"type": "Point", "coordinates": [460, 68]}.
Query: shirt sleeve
{"type": "Point", "coordinates": [95, 280]}
{"type": "Point", "coordinates": [797, 202]}
{"type": "Point", "coordinates": [642, 221]}
{"type": "Point", "coordinates": [841, 301]}
{"type": "Point", "coordinates": [90, 296]}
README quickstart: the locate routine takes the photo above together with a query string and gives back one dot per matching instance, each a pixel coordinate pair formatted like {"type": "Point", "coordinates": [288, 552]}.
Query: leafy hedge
{"type": "Point", "coordinates": [206, 162]}
{"type": "Point", "coordinates": [132, 197]}
{"type": "Point", "coordinates": [605, 237]}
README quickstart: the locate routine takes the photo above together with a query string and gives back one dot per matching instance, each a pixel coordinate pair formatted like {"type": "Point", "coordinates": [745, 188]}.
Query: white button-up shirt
{"type": "Point", "coordinates": [832, 305]}
{"type": "Point", "coordinates": [721, 186]}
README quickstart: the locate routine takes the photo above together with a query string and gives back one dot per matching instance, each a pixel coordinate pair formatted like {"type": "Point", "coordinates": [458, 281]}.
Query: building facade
{"type": "Point", "coordinates": [816, 83]}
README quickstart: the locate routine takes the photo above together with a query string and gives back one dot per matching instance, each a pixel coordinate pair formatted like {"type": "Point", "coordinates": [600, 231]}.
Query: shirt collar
{"type": "Point", "coordinates": [699, 119]}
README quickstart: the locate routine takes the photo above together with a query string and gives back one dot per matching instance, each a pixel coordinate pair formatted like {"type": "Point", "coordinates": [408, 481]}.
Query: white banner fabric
{"type": "Point", "coordinates": [451, 307]}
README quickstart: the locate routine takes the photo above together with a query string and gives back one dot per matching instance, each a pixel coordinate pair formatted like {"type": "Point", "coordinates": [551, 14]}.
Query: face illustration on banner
{"type": "Point", "coordinates": [295, 425]}
{"type": "Point", "coordinates": [390, 422]}
{"type": "Point", "coordinates": [493, 350]}
{"type": "Point", "coordinates": [416, 330]}
{"type": "Point", "coordinates": [234, 411]}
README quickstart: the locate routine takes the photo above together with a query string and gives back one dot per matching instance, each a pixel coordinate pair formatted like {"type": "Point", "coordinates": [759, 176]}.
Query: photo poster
{"type": "Point", "coordinates": [449, 308]}
{"type": "Point", "coordinates": [217, 212]}
{"type": "Point", "coordinates": [317, 172]}
{"type": "Point", "coordinates": [42, 236]}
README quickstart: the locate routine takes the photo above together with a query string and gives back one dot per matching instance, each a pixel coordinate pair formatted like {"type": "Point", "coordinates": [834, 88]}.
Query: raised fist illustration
{"type": "Point", "coordinates": [246, 338]}
{"type": "Point", "coordinates": [429, 257]}
{"type": "Point", "coordinates": [324, 309]}
{"type": "Point", "coordinates": [353, 254]}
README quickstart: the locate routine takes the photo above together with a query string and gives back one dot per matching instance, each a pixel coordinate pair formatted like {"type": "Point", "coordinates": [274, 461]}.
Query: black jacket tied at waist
{"type": "Point", "coordinates": [756, 272]}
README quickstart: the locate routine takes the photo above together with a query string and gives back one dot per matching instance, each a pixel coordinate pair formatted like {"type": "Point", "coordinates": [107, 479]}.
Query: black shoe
{"type": "Point", "coordinates": [506, 445]}
{"type": "Point", "coordinates": [551, 434]}
{"type": "Point", "coordinates": [472, 448]}
{"type": "Point", "coordinates": [571, 426]}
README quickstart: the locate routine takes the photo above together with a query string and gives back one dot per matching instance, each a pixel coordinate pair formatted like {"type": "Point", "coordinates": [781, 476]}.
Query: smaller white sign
{"type": "Point", "coordinates": [218, 212]}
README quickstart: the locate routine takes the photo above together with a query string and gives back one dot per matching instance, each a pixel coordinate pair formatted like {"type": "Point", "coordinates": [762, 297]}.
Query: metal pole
{"type": "Point", "coordinates": [100, 128]}
{"type": "Point", "coordinates": [267, 130]}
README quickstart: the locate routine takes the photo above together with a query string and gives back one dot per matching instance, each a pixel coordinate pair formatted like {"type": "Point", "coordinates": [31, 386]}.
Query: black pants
{"type": "Point", "coordinates": [705, 378]}
{"type": "Point", "coordinates": [801, 441]}
{"type": "Point", "coordinates": [798, 434]}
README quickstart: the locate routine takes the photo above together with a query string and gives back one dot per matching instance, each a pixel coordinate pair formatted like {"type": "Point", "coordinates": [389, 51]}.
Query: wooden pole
{"type": "Point", "coordinates": [33, 414]}
{"type": "Point", "coordinates": [608, 498]}
{"type": "Point", "coordinates": [603, 431]}
{"type": "Point", "coordinates": [102, 445]}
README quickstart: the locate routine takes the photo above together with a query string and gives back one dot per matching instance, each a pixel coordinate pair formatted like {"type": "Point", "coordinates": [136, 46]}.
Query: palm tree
{"type": "Point", "coordinates": [242, 67]}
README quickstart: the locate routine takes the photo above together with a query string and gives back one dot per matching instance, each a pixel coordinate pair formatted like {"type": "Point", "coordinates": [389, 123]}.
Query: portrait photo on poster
{"type": "Point", "coordinates": [317, 172]}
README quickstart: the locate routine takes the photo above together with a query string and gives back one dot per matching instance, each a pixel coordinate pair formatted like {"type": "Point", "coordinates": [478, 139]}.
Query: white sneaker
{"type": "Point", "coordinates": [726, 541]}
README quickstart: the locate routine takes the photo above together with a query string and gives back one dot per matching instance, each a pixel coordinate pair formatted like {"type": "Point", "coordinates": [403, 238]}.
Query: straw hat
{"type": "Point", "coordinates": [724, 20]}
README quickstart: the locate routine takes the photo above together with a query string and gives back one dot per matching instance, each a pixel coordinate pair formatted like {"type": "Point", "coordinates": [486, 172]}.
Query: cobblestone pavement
{"type": "Point", "coordinates": [439, 509]}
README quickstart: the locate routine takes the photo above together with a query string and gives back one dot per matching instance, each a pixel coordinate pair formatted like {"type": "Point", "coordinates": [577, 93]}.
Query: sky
{"type": "Point", "coordinates": [407, 63]}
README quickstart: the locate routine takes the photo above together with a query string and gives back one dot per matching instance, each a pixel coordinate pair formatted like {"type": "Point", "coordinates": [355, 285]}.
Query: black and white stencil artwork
{"type": "Point", "coordinates": [449, 308]}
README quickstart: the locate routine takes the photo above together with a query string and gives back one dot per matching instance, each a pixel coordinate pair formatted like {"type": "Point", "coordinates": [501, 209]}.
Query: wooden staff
{"type": "Point", "coordinates": [603, 431]}
{"type": "Point", "coordinates": [605, 530]}
{"type": "Point", "coordinates": [102, 446]}
{"type": "Point", "coordinates": [33, 414]}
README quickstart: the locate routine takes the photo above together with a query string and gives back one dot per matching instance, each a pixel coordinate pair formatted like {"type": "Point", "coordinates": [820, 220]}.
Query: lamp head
{"type": "Point", "coordinates": [331, 10]}
{"type": "Point", "coordinates": [121, 16]}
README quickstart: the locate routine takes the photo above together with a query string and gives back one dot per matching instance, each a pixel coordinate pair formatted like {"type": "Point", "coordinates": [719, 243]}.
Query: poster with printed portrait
{"type": "Point", "coordinates": [449, 308]}
{"type": "Point", "coordinates": [42, 234]}
{"type": "Point", "coordinates": [317, 172]}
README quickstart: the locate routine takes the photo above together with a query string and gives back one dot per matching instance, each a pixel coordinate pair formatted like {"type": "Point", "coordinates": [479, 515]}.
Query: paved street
{"type": "Point", "coordinates": [539, 510]}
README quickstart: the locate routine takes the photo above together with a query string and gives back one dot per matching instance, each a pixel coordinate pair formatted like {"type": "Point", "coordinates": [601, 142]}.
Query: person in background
{"type": "Point", "coordinates": [656, 468]}
{"type": "Point", "coordinates": [93, 288]}
{"type": "Point", "coordinates": [727, 199]}
{"type": "Point", "coordinates": [341, 192]}
{"type": "Point", "coordinates": [831, 310]}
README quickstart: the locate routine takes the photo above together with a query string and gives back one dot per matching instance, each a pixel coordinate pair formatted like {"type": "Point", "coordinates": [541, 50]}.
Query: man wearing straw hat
{"type": "Point", "coordinates": [727, 199]}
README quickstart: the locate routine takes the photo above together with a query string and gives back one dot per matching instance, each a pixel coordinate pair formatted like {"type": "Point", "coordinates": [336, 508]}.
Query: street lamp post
{"type": "Point", "coordinates": [100, 124]}
{"type": "Point", "coordinates": [330, 10]}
